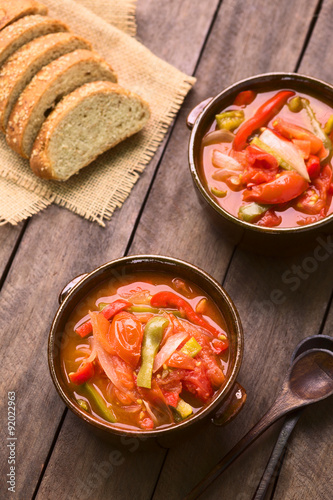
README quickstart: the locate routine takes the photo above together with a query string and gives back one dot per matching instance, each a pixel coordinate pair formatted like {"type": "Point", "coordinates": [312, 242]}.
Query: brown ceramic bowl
{"type": "Point", "coordinates": [260, 239]}
{"type": "Point", "coordinates": [227, 401]}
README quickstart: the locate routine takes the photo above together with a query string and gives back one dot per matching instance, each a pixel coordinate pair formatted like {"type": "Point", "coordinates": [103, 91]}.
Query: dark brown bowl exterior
{"type": "Point", "coordinates": [125, 267]}
{"type": "Point", "coordinates": [271, 241]}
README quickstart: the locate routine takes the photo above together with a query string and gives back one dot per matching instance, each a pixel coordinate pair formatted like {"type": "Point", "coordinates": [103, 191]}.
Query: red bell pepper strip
{"type": "Point", "coordinates": [283, 188]}
{"type": "Point", "coordinates": [264, 114]}
{"type": "Point", "coordinates": [219, 346]}
{"type": "Point", "coordinates": [108, 312]}
{"type": "Point", "coordinates": [245, 98]}
{"type": "Point", "coordinates": [170, 299]}
{"type": "Point", "coordinates": [313, 167]}
{"type": "Point", "coordinates": [291, 131]}
{"type": "Point", "coordinates": [85, 371]}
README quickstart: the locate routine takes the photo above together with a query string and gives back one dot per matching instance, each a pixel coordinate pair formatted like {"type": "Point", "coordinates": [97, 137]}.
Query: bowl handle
{"type": "Point", "coordinates": [193, 115]}
{"type": "Point", "coordinates": [231, 406]}
{"type": "Point", "coordinates": [65, 291]}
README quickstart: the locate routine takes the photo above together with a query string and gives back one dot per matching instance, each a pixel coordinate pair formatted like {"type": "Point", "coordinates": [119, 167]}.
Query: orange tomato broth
{"type": "Point", "coordinates": [137, 289]}
{"type": "Point", "coordinates": [233, 200]}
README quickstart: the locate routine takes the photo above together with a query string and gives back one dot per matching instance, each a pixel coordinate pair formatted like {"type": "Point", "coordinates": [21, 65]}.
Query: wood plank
{"type": "Point", "coordinates": [8, 238]}
{"type": "Point", "coordinates": [57, 246]}
{"type": "Point", "coordinates": [199, 243]}
{"type": "Point", "coordinates": [310, 451]}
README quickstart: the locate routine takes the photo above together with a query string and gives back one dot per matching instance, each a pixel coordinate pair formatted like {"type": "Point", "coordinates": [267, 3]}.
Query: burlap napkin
{"type": "Point", "coordinates": [97, 190]}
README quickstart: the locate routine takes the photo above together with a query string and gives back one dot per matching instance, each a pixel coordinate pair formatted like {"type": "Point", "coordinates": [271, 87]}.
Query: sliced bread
{"type": "Point", "coordinates": [22, 66]}
{"type": "Point", "coordinates": [24, 30]}
{"type": "Point", "coordinates": [87, 122]}
{"type": "Point", "coordinates": [48, 86]}
{"type": "Point", "coordinates": [11, 10]}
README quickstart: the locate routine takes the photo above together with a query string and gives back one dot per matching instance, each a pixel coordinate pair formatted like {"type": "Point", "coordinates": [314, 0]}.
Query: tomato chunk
{"type": "Point", "coordinates": [197, 382]}
{"type": "Point", "coordinates": [270, 219]}
{"type": "Point", "coordinates": [284, 187]}
{"type": "Point", "coordinates": [125, 337]}
{"type": "Point", "coordinates": [85, 371]}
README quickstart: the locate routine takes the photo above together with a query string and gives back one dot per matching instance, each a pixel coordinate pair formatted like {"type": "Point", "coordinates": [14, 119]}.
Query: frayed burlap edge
{"type": "Point", "coordinates": [181, 86]}
{"type": "Point", "coordinates": [25, 204]}
{"type": "Point", "coordinates": [119, 13]}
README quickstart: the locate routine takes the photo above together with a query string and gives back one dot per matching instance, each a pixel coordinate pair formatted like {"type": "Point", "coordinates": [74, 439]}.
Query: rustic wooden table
{"type": "Point", "coordinates": [219, 42]}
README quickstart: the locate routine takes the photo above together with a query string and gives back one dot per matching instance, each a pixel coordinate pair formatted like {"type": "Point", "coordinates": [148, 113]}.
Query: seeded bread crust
{"type": "Point", "coordinates": [11, 10]}
{"type": "Point", "coordinates": [21, 67]}
{"type": "Point", "coordinates": [45, 166]}
{"type": "Point", "coordinates": [24, 30]}
{"type": "Point", "coordinates": [48, 86]}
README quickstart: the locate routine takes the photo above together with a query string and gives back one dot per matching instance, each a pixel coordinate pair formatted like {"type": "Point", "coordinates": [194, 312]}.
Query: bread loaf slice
{"type": "Point", "coordinates": [11, 10]}
{"type": "Point", "coordinates": [20, 68]}
{"type": "Point", "coordinates": [87, 122]}
{"type": "Point", "coordinates": [51, 83]}
{"type": "Point", "coordinates": [24, 30]}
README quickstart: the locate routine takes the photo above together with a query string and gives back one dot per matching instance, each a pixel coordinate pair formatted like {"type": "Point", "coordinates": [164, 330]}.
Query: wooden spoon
{"type": "Point", "coordinates": [274, 464]}
{"type": "Point", "coordinates": [309, 379]}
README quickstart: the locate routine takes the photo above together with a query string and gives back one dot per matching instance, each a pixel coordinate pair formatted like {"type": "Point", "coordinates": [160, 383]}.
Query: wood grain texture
{"type": "Point", "coordinates": [279, 301]}
{"type": "Point", "coordinates": [310, 451]}
{"type": "Point", "coordinates": [8, 238]}
{"type": "Point", "coordinates": [57, 246]}
{"type": "Point", "coordinates": [199, 242]}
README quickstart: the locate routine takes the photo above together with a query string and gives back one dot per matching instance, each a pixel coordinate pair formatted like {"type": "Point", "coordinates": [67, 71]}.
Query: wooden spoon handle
{"type": "Point", "coordinates": [275, 458]}
{"type": "Point", "coordinates": [284, 403]}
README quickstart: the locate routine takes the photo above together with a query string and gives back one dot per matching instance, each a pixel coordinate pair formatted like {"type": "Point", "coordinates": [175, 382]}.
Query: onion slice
{"type": "Point", "coordinates": [227, 166]}
{"type": "Point", "coordinates": [93, 353]}
{"type": "Point", "coordinates": [286, 150]}
{"type": "Point", "coordinates": [109, 364]}
{"type": "Point", "coordinates": [169, 348]}
{"type": "Point", "coordinates": [217, 136]}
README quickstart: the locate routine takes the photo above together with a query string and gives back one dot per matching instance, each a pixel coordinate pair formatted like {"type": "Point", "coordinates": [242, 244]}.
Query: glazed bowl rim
{"type": "Point", "coordinates": [195, 134]}
{"type": "Point", "coordinates": [201, 414]}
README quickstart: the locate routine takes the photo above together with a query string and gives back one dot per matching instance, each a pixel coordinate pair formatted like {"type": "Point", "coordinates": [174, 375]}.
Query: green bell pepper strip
{"type": "Point", "coordinates": [230, 120]}
{"type": "Point", "coordinates": [143, 308]}
{"type": "Point", "coordinates": [84, 405]}
{"type": "Point", "coordinates": [252, 211]}
{"type": "Point", "coordinates": [102, 409]}
{"type": "Point", "coordinates": [329, 126]}
{"type": "Point", "coordinates": [103, 305]}
{"type": "Point", "coordinates": [184, 409]}
{"type": "Point", "coordinates": [191, 348]}
{"type": "Point", "coordinates": [152, 337]}
{"type": "Point", "coordinates": [217, 192]}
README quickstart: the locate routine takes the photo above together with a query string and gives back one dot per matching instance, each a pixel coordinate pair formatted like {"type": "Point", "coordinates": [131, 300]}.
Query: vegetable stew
{"type": "Point", "coordinates": [145, 352]}
{"type": "Point", "coordinates": [267, 158]}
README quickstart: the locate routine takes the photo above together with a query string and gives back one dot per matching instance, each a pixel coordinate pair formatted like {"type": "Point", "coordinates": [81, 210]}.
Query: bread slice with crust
{"type": "Point", "coordinates": [24, 30]}
{"type": "Point", "coordinates": [22, 66]}
{"type": "Point", "coordinates": [87, 122]}
{"type": "Point", "coordinates": [48, 86]}
{"type": "Point", "coordinates": [12, 10]}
